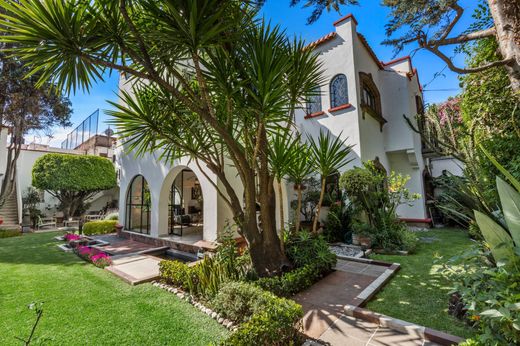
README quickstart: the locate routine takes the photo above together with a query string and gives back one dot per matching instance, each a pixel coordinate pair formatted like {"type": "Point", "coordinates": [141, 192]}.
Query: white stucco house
{"type": "Point", "coordinates": [363, 101]}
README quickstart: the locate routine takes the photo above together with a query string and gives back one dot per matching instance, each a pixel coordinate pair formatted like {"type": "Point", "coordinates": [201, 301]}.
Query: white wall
{"type": "Point", "coordinates": [449, 164]}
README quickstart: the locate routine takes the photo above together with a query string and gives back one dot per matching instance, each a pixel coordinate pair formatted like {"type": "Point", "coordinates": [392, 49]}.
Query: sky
{"type": "Point", "coordinates": [439, 82]}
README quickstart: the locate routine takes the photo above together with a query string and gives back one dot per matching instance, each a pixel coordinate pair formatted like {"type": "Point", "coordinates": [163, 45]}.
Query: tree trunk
{"type": "Point", "coordinates": [318, 207]}
{"type": "Point", "coordinates": [282, 221]}
{"type": "Point", "coordinates": [506, 15]}
{"type": "Point", "coordinates": [298, 209]}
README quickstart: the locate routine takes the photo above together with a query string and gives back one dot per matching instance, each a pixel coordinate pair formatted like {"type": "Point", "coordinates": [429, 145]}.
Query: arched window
{"type": "Point", "coordinates": [314, 102]}
{"type": "Point", "coordinates": [138, 202]}
{"type": "Point", "coordinates": [338, 91]}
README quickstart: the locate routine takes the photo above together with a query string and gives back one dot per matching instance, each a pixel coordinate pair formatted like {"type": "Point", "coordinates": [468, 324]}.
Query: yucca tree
{"type": "Point", "coordinates": [328, 155]}
{"type": "Point", "coordinates": [281, 158]}
{"type": "Point", "coordinates": [207, 81]}
{"type": "Point", "coordinates": [299, 170]}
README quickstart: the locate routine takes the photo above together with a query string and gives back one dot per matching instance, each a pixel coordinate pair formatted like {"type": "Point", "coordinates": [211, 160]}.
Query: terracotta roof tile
{"type": "Point", "coordinates": [321, 40]}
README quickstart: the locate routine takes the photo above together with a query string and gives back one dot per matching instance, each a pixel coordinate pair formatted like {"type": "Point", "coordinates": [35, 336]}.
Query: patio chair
{"type": "Point", "coordinates": [46, 222]}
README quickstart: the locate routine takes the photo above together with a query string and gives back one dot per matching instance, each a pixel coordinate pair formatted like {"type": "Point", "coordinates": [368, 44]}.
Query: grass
{"type": "Point", "coordinates": [87, 305]}
{"type": "Point", "coordinates": [419, 292]}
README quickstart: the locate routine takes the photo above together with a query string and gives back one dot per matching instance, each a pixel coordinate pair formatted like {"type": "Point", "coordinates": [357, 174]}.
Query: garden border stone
{"type": "Point", "coordinates": [187, 297]}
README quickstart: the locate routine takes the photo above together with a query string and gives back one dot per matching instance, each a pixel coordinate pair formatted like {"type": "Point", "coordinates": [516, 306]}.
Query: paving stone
{"type": "Point", "coordinates": [386, 336]}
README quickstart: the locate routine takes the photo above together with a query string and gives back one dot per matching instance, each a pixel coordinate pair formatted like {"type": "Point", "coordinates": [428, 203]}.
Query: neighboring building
{"type": "Point", "coordinates": [88, 143]}
{"type": "Point", "coordinates": [363, 102]}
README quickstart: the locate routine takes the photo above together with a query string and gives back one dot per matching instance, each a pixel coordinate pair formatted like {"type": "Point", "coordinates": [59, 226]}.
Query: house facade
{"type": "Point", "coordinates": [363, 102]}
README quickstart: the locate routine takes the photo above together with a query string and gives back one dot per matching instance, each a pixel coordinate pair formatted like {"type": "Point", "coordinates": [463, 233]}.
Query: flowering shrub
{"type": "Point", "coordinates": [98, 258]}
{"type": "Point", "coordinates": [71, 237]}
{"type": "Point", "coordinates": [449, 112]}
{"type": "Point", "coordinates": [101, 260]}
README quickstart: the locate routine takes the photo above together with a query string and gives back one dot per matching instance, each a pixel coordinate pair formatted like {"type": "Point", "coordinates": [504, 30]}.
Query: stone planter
{"type": "Point", "coordinates": [361, 240]}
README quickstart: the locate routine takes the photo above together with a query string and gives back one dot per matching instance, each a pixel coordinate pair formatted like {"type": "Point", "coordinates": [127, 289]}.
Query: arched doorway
{"type": "Point", "coordinates": [185, 205]}
{"type": "Point", "coordinates": [138, 203]}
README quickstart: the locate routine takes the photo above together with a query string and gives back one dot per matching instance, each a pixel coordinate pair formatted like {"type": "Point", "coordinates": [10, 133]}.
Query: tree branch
{"type": "Point", "coordinates": [466, 70]}
{"type": "Point", "coordinates": [463, 38]}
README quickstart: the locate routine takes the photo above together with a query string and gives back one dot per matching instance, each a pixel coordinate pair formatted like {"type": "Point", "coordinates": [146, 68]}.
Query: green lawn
{"type": "Point", "coordinates": [419, 293]}
{"type": "Point", "coordinates": [87, 305]}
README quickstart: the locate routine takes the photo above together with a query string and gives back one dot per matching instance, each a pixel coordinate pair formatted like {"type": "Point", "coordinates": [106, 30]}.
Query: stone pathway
{"type": "Point", "coordinates": [352, 283]}
{"type": "Point", "coordinates": [329, 304]}
{"type": "Point", "coordinates": [351, 331]}
{"type": "Point", "coordinates": [135, 269]}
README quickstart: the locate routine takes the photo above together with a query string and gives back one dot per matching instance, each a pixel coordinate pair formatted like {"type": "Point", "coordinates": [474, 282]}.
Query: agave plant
{"type": "Point", "coordinates": [504, 244]}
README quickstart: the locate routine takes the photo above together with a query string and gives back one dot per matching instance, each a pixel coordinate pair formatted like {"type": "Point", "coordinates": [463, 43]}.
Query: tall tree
{"type": "Point", "coordinates": [73, 179]}
{"type": "Point", "coordinates": [25, 107]}
{"type": "Point", "coordinates": [208, 81]}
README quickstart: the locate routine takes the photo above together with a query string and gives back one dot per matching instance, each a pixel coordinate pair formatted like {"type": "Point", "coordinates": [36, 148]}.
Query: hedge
{"type": "Point", "coordinates": [99, 227]}
{"type": "Point", "coordinates": [8, 233]}
{"type": "Point", "coordinates": [275, 323]}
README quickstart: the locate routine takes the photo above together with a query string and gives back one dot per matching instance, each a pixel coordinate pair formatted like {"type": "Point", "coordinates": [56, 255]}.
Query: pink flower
{"type": "Point", "coordinates": [84, 250]}
{"type": "Point", "coordinates": [71, 237]}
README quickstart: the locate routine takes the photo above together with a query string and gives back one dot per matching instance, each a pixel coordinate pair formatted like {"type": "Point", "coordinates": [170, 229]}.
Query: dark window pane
{"type": "Point", "coordinates": [338, 91]}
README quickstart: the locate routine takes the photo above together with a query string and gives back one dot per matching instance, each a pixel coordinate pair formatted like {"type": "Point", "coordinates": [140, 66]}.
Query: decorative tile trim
{"type": "Point", "coordinates": [189, 298]}
{"type": "Point", "coordinates": [402, 326]}
{"type": "Point", "coordinates": [338, 108]}
{"type": "Point", "coordinates": [314, 115]}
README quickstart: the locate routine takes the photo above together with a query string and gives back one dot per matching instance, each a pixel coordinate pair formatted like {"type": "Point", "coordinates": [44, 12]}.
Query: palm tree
{"type": "Point", "coordinates": [299, 169]}
{"type": "Point", "coordinates": [327, 155]}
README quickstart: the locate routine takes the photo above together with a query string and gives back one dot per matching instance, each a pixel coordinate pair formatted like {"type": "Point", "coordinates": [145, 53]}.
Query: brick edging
{"type": "Point", "coordinates": [402, 326]}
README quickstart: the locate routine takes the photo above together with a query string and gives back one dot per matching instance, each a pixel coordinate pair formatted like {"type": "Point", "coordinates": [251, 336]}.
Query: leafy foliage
{"type": "Point", "coordinates": [238, 301]}
{"type": "Point", "coordinates": [205, 278]}
{"type": "Point", "coordinates": [8, 233]}
{"type": "Point", "coordinates": [272, 325]}
{"type": "Point", "coordinates": [313, 260]}
{"type": "Point", "coordinates": [375, 198]}
{"type": "Point", "coordinates": [56, 172]}
{"type": "Point", "coordinates": [99, 227]}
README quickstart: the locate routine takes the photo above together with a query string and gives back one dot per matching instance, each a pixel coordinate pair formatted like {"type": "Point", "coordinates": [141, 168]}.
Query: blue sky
{"type": "Point", "coordinates": [371, 17]}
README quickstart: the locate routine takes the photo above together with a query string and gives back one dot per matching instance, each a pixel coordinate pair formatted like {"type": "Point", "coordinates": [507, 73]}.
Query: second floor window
{"type": "Point", "coordinates": [314, 102]}
{"type": "Point", "coordinates": [338, 91]}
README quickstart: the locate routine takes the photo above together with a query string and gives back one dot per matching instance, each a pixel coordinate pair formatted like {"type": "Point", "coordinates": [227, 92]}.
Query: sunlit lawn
{"type": "Point", "coordinates": [85, 305]}
{"type": "Point", "coordinates": [419, 293]}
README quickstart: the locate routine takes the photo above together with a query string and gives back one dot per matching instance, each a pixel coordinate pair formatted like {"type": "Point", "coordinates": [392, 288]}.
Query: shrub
{"type": "Point", "coordinates": [306, 248]}
{"type": "Point", "coordinates": [205, 277]}
{"type": "Point", "coordinates": [273, 325]}
{"type": "Point", "coordinates": [112, 216]}
{"type": "Point", "coordinates": [313, 260]}
{"type": "Point", "coordinates": [99, 227]}
{"type": "Point", "coordinates": [238, 301]}
{"type": "Point", "coordinates": [175, 273]}
{"type": "Point", "coordinates": [490, 296]}
{"type": "Point", "coordinates": [292, 282]}
{"type": "Point", "coordinates": [8, 233]}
